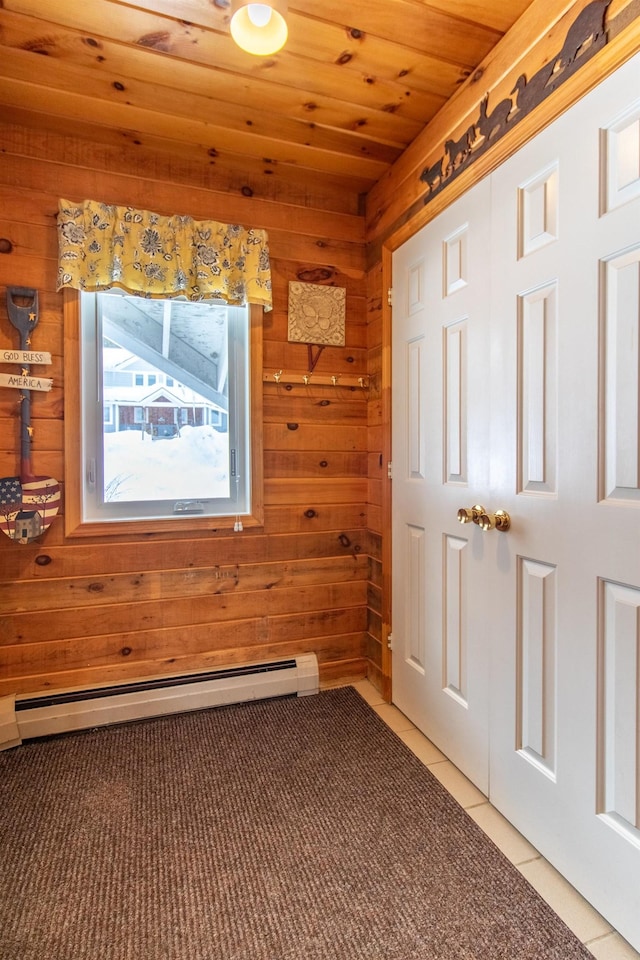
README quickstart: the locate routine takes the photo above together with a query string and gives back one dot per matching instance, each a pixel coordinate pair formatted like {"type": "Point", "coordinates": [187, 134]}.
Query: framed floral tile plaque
{"type": "Point", "coordinates": [316, 314]}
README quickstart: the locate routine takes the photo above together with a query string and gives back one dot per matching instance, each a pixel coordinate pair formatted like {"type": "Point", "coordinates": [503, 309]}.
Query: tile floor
{"type": "Point", "coordinates": [592, 929]}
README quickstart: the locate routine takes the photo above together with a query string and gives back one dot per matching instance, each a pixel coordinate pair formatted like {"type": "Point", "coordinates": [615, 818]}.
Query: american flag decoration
{"type": "Point", "coordinates": [27, 507]}
{"type": "Point", "coordinates": [28, 503]}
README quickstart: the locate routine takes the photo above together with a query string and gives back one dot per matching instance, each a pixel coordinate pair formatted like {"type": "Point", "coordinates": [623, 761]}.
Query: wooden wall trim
{"type": "Point", "coordinates": [73, 404]}
{"type": "Point", "coordinates": [386, 381]}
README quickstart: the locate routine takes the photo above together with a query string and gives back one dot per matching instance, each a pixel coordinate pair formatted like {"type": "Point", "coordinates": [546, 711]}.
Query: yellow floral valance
{"type": "Point", "coordinates": [104, 246]}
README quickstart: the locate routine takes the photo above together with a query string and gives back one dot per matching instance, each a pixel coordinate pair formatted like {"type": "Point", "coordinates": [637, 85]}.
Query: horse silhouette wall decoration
{"type": "Point", "coordinates": [586, 35]}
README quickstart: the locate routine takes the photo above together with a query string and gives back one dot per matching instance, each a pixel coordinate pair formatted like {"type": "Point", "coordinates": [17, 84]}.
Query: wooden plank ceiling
{"type": "Point", "coordinates": [325, 117]}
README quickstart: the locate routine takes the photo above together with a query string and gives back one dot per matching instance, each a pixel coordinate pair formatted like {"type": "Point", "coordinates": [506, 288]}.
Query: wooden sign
{"type": "Point", "coordinates": [25, 356]}
{"type": "Point", "coordinates": [28, 503]}
{"type": "Point", "coordinates": [25, 382]}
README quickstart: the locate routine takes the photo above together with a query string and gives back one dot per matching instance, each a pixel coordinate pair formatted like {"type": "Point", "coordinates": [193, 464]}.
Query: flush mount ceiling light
{"type": "Point", "coordinates": [259, 28]}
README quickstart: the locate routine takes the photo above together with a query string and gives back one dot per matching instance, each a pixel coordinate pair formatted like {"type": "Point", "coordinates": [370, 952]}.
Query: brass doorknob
{"type": "Point", "coordinates": [500, 520]}
{"type": "Point", "coordinates": [472, 515]}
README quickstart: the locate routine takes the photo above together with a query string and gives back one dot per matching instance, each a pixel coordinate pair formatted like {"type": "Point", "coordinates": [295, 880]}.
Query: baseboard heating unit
{"type": "Point", "coordinates": [39, 715]}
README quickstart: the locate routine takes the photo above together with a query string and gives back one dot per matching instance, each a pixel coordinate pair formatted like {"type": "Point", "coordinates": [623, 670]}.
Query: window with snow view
{"type": "Point", "coordinates": [165, 408]}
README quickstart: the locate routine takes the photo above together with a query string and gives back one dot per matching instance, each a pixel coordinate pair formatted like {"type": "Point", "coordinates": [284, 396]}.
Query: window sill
{"type": "Point", "coordinates": [143, 528]}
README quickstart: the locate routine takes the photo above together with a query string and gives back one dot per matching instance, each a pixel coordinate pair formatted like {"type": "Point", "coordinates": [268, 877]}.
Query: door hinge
{"type": "Point", "coordinates": [390, 470]}
{"type": "Point", "coordinates": [390, 296]}
{"type": "Point", "coordinates": [390, 641]}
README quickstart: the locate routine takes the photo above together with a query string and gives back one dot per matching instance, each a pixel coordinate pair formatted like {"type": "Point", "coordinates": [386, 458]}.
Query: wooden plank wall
{"type": "Point", "coordinates": [318, 577]}
{"type": "Point", "coordinates": [105, 609]}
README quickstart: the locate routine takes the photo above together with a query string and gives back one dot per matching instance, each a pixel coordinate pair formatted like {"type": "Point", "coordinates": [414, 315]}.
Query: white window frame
{"type": "Point", "coordinates": [84, 431]}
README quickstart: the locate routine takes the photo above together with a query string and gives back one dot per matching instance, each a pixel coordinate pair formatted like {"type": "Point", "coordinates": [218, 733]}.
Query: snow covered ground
{"type": "Point", "coordinates": [194, 465]}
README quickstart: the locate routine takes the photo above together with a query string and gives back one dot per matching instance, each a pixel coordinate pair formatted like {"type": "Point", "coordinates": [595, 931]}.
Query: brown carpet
{"type": "Point", "coordinates": [291, 829]}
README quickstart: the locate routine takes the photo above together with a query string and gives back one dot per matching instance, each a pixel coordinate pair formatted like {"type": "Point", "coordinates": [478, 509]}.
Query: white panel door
{"type": "Point", "coordinates": [530, 389]}
{"type": "Point", "coordinates": [440, 464]}
{"type": "Point", "coordinates": [565, 429]}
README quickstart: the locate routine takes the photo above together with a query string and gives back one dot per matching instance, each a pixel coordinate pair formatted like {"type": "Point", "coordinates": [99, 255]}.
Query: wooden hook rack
{"type": "Point", "coordinates": [307, 379]}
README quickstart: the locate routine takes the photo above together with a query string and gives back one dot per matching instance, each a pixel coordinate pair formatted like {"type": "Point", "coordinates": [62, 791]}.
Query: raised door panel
{"type": "Point", "coordinates": [566, 299]}
{"type": "Point", "coordinates": [440, 457]}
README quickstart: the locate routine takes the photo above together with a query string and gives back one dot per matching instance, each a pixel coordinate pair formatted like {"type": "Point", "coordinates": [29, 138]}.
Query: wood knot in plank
{"type": "Point", "coordinates": [160, 40]}
{"type": "Point", "coordinates": [41, 45]}
{"type": "Point", "coordinates": [316, 275]}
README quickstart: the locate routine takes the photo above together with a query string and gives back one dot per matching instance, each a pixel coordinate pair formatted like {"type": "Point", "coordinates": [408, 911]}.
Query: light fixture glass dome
{"type": "Point", "coordinates": [259, 28]}
{"type": "Point", "coordinates": [259, 14]}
